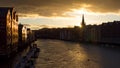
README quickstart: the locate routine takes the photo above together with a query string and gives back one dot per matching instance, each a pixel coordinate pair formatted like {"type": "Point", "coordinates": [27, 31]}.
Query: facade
{"type": "Point", "coordinates": [22, 30]}
{"type": "Point", "coordinates": [105, 33]}
{"type": "Point", "coordinates": [92, 33]}
{"type": "Point", "coordinates": [30, 36]}
{"type": "Point", "coordinates": [5, 26]}
{"type": "Point", "coordinates": [66, 34]}
{"type": "Point", "coordinates": [8, 40]}
{"type": "Point", "coordinates": [14, 29]}
{"type": "Point", "coordinates": [110, 32]}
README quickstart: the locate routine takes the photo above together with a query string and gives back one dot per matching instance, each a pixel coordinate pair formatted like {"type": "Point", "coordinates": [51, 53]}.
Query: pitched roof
{"type": "Point", "coordinates": [4, 11]}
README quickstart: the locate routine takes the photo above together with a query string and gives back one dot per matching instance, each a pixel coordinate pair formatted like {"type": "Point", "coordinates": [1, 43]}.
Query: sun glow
{"type": "Point", "coordinates": [80, 11]}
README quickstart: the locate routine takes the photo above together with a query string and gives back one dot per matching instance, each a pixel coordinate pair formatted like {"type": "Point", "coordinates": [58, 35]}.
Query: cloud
{"type": "Point", "coordinates": [35, 27]}
{"type": "Point", "coordinates": [50, 8]}
{"type": "Point", "coordinates": [104, 6]}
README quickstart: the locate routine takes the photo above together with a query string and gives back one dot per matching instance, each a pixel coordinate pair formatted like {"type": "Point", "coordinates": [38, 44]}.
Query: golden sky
{"type": "Point", "coordinates": [66, 12]}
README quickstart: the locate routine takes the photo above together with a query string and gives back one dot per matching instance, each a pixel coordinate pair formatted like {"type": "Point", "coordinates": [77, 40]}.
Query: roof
{"type": "Point", "coordinates": [4, 11]}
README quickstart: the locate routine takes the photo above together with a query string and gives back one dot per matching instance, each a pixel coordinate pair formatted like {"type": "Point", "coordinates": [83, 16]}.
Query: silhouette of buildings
{"type": "Point", "coordinates": [70, 34]}
{"type": "Point", "coordinates": [92, 33]}
{"type": "Point", "coordinates": [110, 32]}
{"type": "Point", "coordinates": [103, 33]}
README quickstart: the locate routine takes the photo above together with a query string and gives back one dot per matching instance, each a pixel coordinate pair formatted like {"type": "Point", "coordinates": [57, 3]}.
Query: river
{"type": "Point", "coordinates": [63, 54]}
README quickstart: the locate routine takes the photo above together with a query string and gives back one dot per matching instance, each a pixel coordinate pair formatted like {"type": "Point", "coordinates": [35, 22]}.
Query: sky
{"type": "Point", "coordinates": [38, 14]}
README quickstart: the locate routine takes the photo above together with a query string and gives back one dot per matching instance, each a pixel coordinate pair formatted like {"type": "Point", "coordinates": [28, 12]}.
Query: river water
{"type": "Point", "coordinates": [62, 54]}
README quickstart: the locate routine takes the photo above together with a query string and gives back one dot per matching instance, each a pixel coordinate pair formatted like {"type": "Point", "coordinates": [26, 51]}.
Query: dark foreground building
{"type": "Point", "coordinates": [8, 30]}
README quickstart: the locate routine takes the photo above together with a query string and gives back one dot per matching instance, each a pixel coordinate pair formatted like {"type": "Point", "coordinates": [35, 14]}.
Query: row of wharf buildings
{"type": "Point", "coordinates": [104, 33]}
{"type": "Point", "coordinates": [13, 36]}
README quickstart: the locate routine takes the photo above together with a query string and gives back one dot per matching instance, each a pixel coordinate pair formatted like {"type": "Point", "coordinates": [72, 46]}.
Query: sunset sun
{"type": "Point", "coordinates": [81, 11]}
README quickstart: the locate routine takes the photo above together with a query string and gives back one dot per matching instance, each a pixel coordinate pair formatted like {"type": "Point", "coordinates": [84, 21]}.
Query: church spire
{"type": "Point", "coordinates": [83, 21]}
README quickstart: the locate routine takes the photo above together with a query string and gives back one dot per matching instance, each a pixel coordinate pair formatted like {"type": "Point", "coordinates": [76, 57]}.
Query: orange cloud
{"type": "Point", "coordinates": [50, 8]}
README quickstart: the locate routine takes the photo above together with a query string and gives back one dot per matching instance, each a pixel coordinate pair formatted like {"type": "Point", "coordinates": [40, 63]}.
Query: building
{"type": "Point", "coordinates": [110, 32]}
{"type": "Point", "coordinates": [8, 30]}
{"type": "Point", "coordinates": [14, 28]}
{"type": "Point", "coordinates": [30, 36]}
{"type": "Point", "coordinates": [83, 22]}
{"type": "Point", "coordinates": [22, 30]}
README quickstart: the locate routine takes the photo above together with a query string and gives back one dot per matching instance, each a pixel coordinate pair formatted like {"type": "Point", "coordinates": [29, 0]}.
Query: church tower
{"type": "Point", "coordinates": [83, 21]}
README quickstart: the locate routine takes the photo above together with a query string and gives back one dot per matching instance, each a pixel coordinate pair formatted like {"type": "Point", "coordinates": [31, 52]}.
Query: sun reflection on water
{"type": "Point", "coordinates": [77, 55]}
